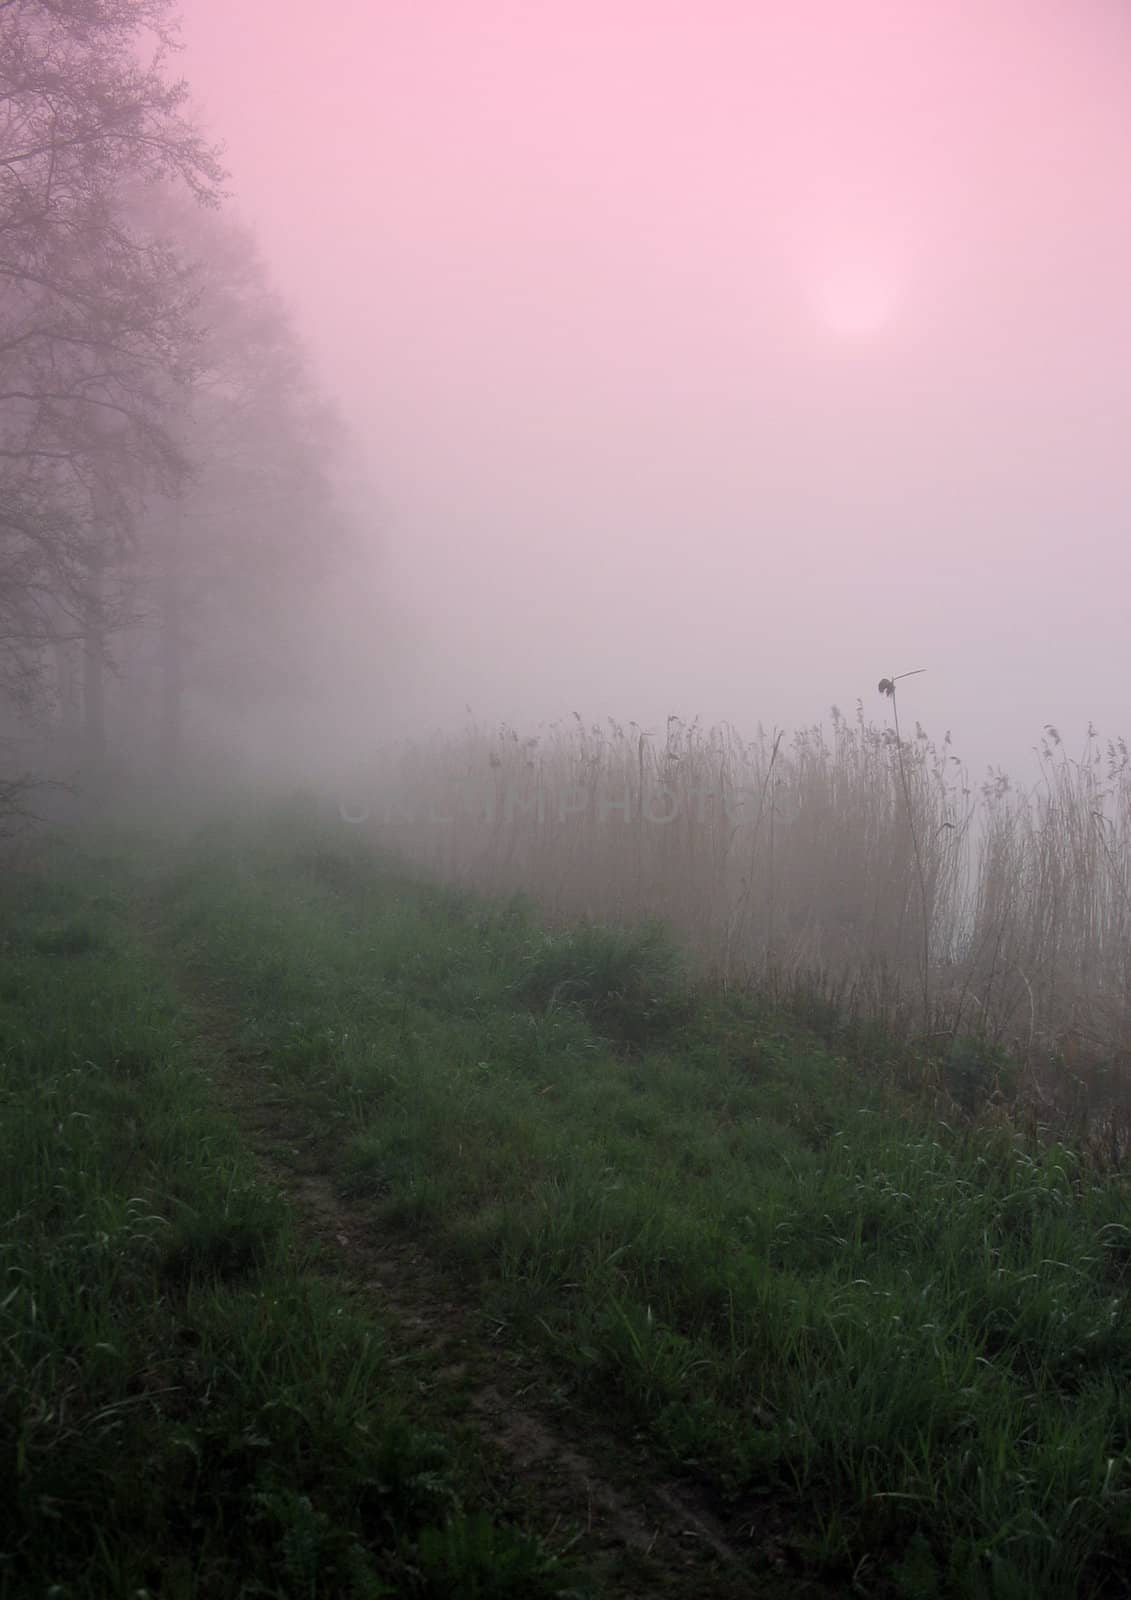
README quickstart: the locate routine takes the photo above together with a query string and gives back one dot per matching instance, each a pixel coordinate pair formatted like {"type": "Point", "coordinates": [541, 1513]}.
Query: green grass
{"type": "Point", "coordinates": [190, 1405]}
{"type": "Point", "coordinates": [798, 1281]}
{"type": "Point", "coordinates": [909, 1335]}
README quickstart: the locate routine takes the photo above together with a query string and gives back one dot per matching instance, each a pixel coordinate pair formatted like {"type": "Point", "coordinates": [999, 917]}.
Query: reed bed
{"type": "Point", "coordinates": [849, 858]}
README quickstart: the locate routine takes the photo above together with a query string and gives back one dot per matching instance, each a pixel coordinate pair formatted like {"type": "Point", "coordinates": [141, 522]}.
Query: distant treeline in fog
{"type": "Point", "coordinates": [167, 494]}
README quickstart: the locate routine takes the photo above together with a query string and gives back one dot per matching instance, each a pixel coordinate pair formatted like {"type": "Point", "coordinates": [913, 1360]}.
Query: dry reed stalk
{"type": "Point", "coordinates": [1007, 913]}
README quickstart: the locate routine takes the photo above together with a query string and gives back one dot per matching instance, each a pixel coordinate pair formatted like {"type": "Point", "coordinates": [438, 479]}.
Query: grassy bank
{"type": "Point", "coordinates": [899, 1340]}
{"type": "Point", "coordinates": [801, 1283]}
{"type": "Point", "coordinates": [190, 1403]}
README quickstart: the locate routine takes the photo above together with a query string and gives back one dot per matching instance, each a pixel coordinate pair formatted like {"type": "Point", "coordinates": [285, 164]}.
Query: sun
{"type": "Point", "coordinates": [855, 301]}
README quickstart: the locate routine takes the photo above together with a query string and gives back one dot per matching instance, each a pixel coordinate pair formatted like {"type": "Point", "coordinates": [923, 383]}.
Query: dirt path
{"type": "Point", "coordinates": [588, 1493]}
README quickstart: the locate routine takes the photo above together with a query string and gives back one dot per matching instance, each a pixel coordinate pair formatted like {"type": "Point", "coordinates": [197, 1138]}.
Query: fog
{"type": "Point", "coordinates": [565, 797]}
{"type": "Point", "coordinates": [713, 360]}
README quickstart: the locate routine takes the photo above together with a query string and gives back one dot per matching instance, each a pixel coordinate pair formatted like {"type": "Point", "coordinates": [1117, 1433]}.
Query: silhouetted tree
{"type": "Point", "coordinates": [230, 559]}
{"type": "Point", "coordinates": [96, 321]}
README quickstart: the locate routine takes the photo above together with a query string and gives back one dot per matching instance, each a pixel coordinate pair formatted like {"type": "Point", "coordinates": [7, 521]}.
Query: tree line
{"type": "Point", "coordinates": [167, 491]}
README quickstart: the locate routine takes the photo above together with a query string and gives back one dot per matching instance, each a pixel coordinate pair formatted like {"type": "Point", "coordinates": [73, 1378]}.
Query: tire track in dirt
{"type": "Point", "coordinates": [646, 1535]}
{"type": "Point", "coordinates": [589, 1494]}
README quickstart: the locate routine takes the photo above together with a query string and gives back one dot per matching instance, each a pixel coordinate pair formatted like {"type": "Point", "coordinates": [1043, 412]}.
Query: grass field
{"type": "Point", "coordinates": [367, 1238]}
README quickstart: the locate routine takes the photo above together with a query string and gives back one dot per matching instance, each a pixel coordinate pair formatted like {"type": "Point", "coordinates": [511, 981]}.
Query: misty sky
{"type": "Point", "coordinates": [715, 358]}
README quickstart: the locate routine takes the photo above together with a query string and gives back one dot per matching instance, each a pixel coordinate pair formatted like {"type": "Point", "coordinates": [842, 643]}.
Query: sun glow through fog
{"type": "Point", "coordinates": [863, 295]}
{"type": "Point", "coordinates": [855, 302]}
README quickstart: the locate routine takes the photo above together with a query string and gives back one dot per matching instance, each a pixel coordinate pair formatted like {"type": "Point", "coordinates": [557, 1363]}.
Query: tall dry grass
{"type": "Point", "coordinates": [842, 856]}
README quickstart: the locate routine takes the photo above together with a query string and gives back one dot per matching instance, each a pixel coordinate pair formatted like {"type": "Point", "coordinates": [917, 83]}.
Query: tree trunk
{"type": "Point", "coordinates": [66, 680]}
{"type": "Point", "coordinates": [93, 686]}
{"type": "Point", "coordinates": [172, 651]}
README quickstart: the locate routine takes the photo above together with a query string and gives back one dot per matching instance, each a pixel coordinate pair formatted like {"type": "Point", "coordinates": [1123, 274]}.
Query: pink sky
{"type": "Point", "coordinates": [718, 358]}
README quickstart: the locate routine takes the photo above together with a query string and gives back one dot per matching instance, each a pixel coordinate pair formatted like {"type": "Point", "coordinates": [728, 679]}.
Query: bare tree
{"type": "Point", "coordinates": [96, 319]}
{"type": "Point", "coordinates": [233, 557]}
